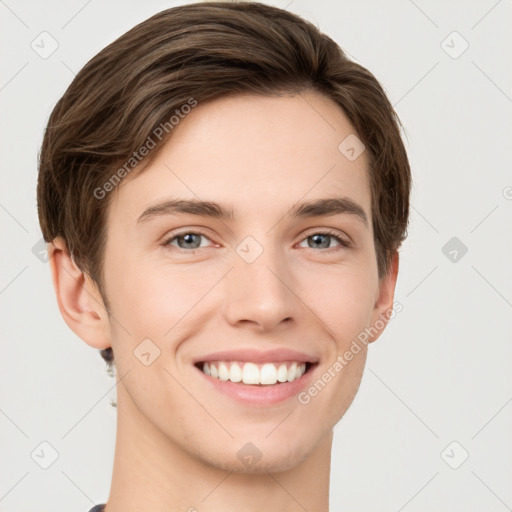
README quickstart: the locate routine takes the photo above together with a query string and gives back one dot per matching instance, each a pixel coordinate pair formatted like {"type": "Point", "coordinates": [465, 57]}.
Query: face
{"type": "Point", "coordinates": [270, 283]}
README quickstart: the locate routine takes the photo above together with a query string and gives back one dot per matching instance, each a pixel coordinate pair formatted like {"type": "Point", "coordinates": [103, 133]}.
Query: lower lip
{"type": "Point", "coordinates": [261, 395]}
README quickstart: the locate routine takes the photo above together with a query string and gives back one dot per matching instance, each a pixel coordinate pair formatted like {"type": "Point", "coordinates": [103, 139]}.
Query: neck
{"type": "Point", "coordinates": [151, 472]}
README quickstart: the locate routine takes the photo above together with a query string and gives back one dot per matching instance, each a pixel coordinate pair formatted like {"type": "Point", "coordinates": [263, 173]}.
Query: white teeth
{"type": "Point", "coordinates": [292, 372]}
{"type": "Point", "coordinates": [235, 373]}
{"type": "Point", "coordinates": [268, 374]}
{"type": "Point", "coordinates": [223, 372]}
{"type": "Point", "coordinates": [251, 373]}
{"type": "Point", "coordinates": [282, 373]}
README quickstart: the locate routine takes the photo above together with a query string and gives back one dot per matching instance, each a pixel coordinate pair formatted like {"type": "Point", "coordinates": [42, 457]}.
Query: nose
{"type": "Point", "coordinates": [261, 294]}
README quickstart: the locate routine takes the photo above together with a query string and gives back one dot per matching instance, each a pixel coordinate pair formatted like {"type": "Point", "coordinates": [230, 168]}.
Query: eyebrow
{"type": "Point", "coordinates": [306, 209]}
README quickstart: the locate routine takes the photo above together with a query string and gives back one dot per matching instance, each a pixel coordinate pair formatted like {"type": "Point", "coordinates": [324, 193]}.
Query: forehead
{"type": "Point", "coordinates": [260, 153]}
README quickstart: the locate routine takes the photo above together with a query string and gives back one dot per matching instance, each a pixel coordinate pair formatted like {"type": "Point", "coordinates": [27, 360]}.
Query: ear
{"type": "Point", "coordinates": [384, 301]}
{"type": "Point", "coordinates": [80, 302]}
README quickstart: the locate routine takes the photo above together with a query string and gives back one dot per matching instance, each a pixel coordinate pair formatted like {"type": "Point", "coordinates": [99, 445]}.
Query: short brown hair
{"type": "Point", "coordinates": [203, 51]}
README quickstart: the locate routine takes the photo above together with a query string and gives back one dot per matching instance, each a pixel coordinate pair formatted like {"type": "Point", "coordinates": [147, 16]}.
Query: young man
{"type": "Point", "coordinates": [225, 194]}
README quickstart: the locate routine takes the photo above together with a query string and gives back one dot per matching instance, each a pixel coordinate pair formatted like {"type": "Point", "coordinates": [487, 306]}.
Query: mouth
{"type": "Point", "coordinates": [255, 374]}
{"type": "Point", "coordinates": [257, 385]}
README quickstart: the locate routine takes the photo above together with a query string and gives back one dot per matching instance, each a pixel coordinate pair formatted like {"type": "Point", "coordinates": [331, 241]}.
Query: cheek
{"type": "Point", "coordinates": [150, 298]}
{"type": "Point", "coordinates": [330, 395]}
{"type": "Point", "coordinates": [343, 299]}
{"type": "Point", "coordinates": [347, 381]}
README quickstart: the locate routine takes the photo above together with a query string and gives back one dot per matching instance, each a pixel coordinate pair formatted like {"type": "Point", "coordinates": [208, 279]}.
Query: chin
{"type": "Point", "coordinates": [259, 458]}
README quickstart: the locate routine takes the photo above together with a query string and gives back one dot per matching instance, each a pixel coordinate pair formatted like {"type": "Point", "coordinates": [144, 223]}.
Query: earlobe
{"type": "Point", "coordinates": [78, 297]}
{"type": "Point", "coordinates": [384, 301]}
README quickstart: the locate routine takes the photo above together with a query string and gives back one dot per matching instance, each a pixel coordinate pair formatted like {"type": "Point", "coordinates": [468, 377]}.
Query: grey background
{"type": "Point", "coordinates": [439, 374]}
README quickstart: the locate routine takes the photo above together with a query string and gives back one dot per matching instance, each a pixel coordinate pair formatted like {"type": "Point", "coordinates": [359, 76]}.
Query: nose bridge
{"type": "Point", "coordinates": [258, 287]}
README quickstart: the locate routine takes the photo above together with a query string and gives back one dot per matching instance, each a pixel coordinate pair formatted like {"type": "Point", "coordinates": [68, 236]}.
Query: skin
{"type": "Point", "coordinates": [177, 439]}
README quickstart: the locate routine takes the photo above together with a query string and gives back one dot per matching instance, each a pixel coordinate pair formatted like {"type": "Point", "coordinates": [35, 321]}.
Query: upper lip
{"type": "Point", "coordinates": [258, 356]}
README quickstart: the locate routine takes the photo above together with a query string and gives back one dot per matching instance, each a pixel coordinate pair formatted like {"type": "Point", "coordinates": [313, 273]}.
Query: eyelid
{"type": "Point", "coordinates": [328, 231]}
{"type": "Point", "coordinates": [344, 240]}
{"type": "Point", "coordinates": [174, 234]}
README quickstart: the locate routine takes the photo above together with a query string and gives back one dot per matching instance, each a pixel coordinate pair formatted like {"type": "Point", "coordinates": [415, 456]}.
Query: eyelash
{"type": "Point", "coordinates": [167, 243]}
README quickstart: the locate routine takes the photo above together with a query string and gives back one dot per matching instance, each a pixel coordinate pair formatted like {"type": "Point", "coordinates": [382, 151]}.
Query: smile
{"type": "Point", "coordinates": [257, 385]}
{"type": "Point", "coordinates": [266, 374]}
